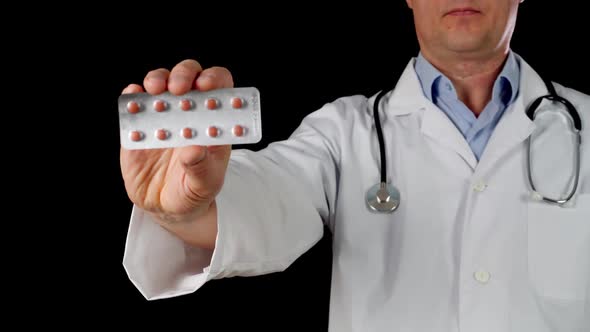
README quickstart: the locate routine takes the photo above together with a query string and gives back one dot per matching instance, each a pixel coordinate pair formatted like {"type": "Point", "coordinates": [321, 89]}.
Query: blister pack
{"type": "Point", "coordinates": [216, 117]}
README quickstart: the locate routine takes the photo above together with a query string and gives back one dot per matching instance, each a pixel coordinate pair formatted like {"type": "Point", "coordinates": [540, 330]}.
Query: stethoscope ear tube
{"type": "Point", "coordinates": [530, 112]}
{"type": "Point", "coordinates": [385, 198]}
{"type": "Point", "coordinates": [553, 96]}
{"type": "Point", "coordinates": [558, 201]}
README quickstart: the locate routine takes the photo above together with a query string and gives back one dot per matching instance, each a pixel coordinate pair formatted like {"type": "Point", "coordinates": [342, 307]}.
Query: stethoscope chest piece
{"type": "Point", "coordinates": [383, 198]}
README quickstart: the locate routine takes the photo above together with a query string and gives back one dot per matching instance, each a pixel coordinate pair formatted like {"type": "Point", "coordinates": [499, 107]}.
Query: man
{"type": "Point", "coordinates": [466, 250]}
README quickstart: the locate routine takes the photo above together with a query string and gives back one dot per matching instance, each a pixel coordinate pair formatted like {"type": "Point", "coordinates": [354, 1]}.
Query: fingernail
{"type": "Point", "coordinates": [180, 78]}
{"type": "Point", "coordinates": [175, 79]}
{"type": "Point", "coordinates": [205, 81]}
{"type": "Point", "coordinates": [152, 79]}
{"type": "Point", "coordinates": [209, 77]}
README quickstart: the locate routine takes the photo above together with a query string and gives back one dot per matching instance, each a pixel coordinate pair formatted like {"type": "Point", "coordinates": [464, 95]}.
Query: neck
{"type": "Point", "coordinates": [472, 77]}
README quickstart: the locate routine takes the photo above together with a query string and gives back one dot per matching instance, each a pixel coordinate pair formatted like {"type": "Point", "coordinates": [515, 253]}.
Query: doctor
{"type": "Point", "coordinates": [467, 249]}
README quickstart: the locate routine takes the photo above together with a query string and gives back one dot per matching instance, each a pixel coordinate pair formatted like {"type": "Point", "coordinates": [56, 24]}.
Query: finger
{"type": "Point", "coordinates": [182, 76]}
{"type": "Point", "coordinates": [132, 88]}
{"type": "Point", "coordinates": [155, 81]}
{"type": "Point", "coordinates": [214, 78]}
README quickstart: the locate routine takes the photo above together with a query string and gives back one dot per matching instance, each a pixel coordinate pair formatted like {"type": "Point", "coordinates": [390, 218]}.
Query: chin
{"type": "Point", "coordinates": [466, 44]}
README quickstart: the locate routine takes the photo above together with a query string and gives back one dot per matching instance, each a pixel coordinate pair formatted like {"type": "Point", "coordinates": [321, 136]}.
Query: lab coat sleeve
{"type": "Point", "coordinates": [271, 209]}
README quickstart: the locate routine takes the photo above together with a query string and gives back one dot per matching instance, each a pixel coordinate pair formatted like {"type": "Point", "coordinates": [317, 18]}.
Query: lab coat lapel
{"type": "Point", "coordinates": [408, 97]}
{"type": "Point", "coordinates": [438, 126]}
{"type": "Point", "coordinates": [511, 131]}
{"type": "Point", "coordinates": [514, 126]}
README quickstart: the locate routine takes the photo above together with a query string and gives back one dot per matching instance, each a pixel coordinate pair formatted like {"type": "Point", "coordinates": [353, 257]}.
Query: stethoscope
{"type": "Point", "coordinates": [386, 198]}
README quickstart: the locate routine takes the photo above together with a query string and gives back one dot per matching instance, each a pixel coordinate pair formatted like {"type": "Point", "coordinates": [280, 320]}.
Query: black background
{"type": "Point", "coordinates": [291, 52]}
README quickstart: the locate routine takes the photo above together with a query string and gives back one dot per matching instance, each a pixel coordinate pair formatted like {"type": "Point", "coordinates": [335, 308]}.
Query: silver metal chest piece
{"type": "Point", "coordinates": [383, 198]}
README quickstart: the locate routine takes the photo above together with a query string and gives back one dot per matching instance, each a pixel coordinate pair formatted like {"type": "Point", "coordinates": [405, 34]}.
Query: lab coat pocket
{"type": "Point", "coordinates": [559, 249]}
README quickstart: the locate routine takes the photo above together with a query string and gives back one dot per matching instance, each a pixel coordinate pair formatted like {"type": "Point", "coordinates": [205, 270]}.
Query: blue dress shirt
{"type": "Point", "coordinates": [476, 130]}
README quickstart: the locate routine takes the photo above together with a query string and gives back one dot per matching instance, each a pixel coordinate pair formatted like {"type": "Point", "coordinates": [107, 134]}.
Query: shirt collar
{"type": "Point", "coordinates": [505, 87]}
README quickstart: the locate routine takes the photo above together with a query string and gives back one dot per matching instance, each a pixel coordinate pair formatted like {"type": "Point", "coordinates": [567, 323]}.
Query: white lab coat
{"type": "Point", "coordinates": [467, 250]}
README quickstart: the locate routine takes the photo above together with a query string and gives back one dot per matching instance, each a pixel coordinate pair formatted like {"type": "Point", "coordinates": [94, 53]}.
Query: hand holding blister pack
{"type": "Point", "coordinates": [187, 136]}
{"type": "Point", "coordinates": [216, 117]}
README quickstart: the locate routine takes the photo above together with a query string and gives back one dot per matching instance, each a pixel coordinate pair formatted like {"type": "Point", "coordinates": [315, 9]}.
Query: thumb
{"type": "Point", "coordinates": [191, 156]}
{"type": "Point", "coordinates": [205, 168]}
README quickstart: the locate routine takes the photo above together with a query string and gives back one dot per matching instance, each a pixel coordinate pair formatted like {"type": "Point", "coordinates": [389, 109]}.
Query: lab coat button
{"type": "Point", "coordinates": [480, 186]}
{"type": "Point", "coordinates": [482, 276]}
